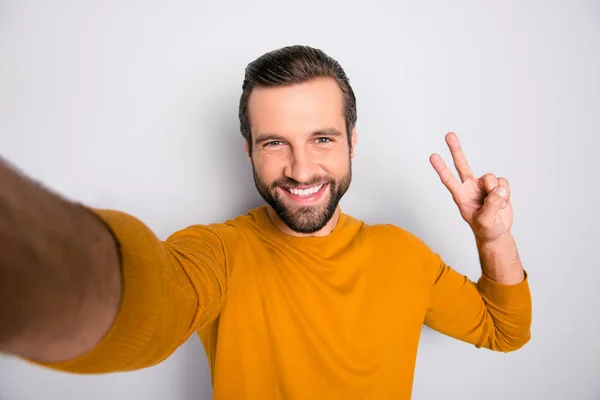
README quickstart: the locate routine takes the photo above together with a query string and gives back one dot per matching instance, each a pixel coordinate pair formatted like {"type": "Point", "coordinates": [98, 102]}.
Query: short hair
{"type": "Point", "coordinates": [293, 65]}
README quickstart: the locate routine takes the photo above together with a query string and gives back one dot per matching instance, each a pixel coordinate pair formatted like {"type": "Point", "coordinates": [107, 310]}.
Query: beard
{"type": "Point", "coordinates": [304, 219]}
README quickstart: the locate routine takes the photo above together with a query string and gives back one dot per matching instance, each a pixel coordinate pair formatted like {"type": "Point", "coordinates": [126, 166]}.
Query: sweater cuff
{"type": "Point", "coordinates": [122, 347]}
{"type": "Point", "coordinates": [505, 296]}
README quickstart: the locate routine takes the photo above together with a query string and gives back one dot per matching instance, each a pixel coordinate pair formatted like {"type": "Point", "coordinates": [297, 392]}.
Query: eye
{"type": "Point", "coordinates": [273, 143]}
{"type": "Point", "coordinates": [323, 140]}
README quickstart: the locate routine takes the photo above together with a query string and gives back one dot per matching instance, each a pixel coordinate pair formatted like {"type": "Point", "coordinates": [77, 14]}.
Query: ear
{"type": "Point", "coordinates": [247, 150]}
{"type": "Point", "coordinates": [353, 140]}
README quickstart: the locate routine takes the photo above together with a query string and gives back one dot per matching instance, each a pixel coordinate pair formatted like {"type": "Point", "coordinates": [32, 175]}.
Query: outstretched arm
{"type": "Point", "coordinates": [60, 283]}
{"type": "Point", "coordinates": [93, 291]}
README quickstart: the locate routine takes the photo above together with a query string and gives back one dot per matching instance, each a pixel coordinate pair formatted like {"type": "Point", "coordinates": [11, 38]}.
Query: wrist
{"type": "Point", "coordinates": [500, 260]}
{"type": "Point", "coordinates": [504, 240]}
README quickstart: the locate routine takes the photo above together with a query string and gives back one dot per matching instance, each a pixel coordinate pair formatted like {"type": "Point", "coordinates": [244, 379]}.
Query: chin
{"type": "Point", "coordinates": [306, 219]}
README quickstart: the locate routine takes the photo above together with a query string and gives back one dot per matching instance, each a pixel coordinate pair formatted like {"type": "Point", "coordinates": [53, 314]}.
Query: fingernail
{"type": "Point", "coordinates": [502, 192]}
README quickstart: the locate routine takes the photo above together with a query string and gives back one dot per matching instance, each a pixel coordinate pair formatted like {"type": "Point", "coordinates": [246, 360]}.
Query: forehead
{"type": "Point", "coordinates": [296, 109]}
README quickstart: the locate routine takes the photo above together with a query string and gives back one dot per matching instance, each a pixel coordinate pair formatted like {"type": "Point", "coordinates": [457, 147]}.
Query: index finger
{"type": "Point", "coordinates": [459, 158]}
{"type": "Point", "coordinates": [446, 176]}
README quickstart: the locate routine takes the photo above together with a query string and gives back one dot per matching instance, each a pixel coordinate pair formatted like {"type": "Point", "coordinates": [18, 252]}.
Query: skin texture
{"type": "Point", "coordinates": [484, 203]}
{"type": "Point", "coordinates": [300, 140]}
{"type": "Point", "coordinates": [60, 283]}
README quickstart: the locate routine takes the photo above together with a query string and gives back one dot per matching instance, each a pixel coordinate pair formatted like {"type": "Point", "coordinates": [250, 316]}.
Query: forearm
{"type": "Point", "coordinates": [59, 273]}
{"type": "Point", "coordinates": [500, 260]}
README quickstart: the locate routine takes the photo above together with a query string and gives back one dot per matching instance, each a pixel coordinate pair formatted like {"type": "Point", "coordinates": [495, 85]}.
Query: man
{"type": "Point", "coordinates": [295, 300]}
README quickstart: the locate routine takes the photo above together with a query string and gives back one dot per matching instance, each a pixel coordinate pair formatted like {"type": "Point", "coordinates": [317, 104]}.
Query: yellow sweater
{"type": "Point", "coordinates": [282, 317]}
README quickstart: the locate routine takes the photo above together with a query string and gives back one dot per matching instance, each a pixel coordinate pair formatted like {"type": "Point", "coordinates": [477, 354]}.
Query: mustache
{"type": "Point", "coordinates": [292, 183]}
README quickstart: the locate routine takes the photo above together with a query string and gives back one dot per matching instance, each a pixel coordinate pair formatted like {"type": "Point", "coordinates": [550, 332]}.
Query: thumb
{"type": "Point", "coordinates": [494, 201]}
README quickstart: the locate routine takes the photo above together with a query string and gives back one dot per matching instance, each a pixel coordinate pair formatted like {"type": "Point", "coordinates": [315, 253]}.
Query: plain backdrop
{"type": "Point", "coordinates": [133, 105]}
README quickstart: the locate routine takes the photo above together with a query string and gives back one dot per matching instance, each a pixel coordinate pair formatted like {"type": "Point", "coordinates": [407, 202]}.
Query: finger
{"type": "Point", "coordinates": [446, 176]}
{"type": "Point", "coordinates": [458, 156]}
{"type": "Point", "coordinates": [491, 205]}
{"type": "Point", "coordinates": [489, 182]}
{"type": "Point", "coordinates": [503, 183]}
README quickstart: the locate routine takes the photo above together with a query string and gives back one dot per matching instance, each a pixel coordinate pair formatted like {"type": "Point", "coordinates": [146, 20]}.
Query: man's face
{"type": "Point", "coordinates": [301, 158]}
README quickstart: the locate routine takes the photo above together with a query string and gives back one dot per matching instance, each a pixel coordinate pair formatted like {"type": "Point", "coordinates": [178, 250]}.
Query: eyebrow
{"type": "Point", "coordinates": [267, 137]}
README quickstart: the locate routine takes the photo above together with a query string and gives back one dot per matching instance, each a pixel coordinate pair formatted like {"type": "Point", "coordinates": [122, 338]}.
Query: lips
{"type": "Point", "coordinates": [305, 196]}
{"type": "Point", "coordinates": [306, 191]}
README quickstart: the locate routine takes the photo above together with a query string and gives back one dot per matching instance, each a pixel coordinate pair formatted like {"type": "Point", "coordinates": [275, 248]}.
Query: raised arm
{"type": "Point", "coordinates": [94, 290]}
{"type": "Point", "coordinates": [495, 312]}
{"type": "Point", "coordinates": [484, 203]}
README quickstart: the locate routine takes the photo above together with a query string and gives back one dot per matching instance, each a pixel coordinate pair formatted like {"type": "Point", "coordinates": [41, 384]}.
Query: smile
{"type": "Point", "coordinates": [305, 196]}
{"type": "Point", "coordinates": [305, 192]}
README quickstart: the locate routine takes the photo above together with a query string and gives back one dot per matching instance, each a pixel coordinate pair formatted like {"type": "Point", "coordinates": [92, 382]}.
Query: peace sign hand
{"type": "Point", "coordinates": [484, 203]}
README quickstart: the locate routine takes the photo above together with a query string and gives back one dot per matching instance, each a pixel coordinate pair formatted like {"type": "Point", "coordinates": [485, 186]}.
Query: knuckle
{"type": "Point", "coordinates": [490, 181]}
{"type": "Point", "coordinates": [462, 164]}
{"type": "Point", "coordinates": [446, 177]}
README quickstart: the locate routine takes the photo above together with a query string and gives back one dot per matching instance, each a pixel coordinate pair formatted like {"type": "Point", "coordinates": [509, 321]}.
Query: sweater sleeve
{"type": "Point", "coordinates": [486, 314]}
{"type": "Point", "coordinates": [170, 289]}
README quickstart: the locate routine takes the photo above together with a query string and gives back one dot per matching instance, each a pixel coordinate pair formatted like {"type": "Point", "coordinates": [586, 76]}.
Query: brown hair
{"type": "Point", "coordinates": [292, 65]}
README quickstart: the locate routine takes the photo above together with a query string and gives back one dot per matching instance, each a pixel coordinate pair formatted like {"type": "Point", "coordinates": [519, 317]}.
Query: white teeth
{"type": "Point", "coordinates": [305, 192]}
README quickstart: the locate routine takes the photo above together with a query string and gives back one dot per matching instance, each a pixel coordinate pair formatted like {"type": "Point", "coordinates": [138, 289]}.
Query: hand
{"type": "Point", "coordinates": [484, 203]}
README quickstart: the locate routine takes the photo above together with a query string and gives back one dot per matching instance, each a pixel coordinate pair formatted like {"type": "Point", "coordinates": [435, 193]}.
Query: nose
{"type": "Point", "coordinates": [301, 166]}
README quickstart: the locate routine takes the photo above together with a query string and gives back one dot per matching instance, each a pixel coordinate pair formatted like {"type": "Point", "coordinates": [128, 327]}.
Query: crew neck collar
{"type": "Point", "coordinates": [265, 223]}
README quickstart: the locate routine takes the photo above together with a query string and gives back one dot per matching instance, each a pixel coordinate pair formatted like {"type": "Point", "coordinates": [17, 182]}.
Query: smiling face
{"type": "Point", "coordinates": [301, 158]}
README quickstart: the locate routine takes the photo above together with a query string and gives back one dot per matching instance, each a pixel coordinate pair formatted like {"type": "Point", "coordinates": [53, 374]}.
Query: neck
{"type": "Point", "coordinates": [280, 225]}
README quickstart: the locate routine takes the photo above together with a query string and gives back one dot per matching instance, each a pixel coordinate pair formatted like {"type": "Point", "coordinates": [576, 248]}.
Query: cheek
{"type": "Point", "coordinates": [268, 167]}
{"type": "Point", "coordinates": [337, 164]}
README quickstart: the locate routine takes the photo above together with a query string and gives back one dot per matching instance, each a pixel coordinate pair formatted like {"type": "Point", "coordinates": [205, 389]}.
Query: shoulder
{"type": "Point", "coordinates": [218, 235]}
{"type": "Point", "coordinates": [408, 250]}
{"type": "Point", "coordinates": [227, 233]}
{"type": "Point", "coordinates": [393, 234]}
{"type": "Point", "coordinates": [399, 243]}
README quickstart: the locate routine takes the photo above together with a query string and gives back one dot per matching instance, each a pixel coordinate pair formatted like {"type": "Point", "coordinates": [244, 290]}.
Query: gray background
{"type": "Point", "coordinates": [133, 105]}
